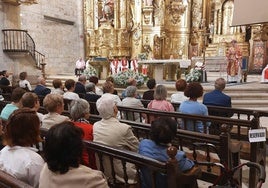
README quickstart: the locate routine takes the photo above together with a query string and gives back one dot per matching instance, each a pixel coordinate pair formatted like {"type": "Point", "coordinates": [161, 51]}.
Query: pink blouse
{"type": "Point", "coordinates": [162, 105]}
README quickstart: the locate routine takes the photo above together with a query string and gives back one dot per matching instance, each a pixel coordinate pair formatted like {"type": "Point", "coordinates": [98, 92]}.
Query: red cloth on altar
{"type": "Point", "coordinates": [266, 73]}
{"type": "Point", "coordinates": [124, 64]}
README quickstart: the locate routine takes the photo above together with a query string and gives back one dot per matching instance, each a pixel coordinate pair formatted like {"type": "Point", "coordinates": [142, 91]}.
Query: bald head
{"type": "Point", "coordinates": [220, 84]}
{"type": "Point", "coordinates": [41, 80]}
{"type": "Point", "coordinates": [82, 78]}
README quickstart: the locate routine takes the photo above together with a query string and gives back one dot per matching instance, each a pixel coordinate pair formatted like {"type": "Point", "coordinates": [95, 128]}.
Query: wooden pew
{"type": "Point", "coordinates": [255, 152]}
{"type": "Point", "coordinates": [212, 144]}
{"type": "Point", "coordinates": [258, 154]}
{"type": "Point", "coordinates": [236, 113]}
{"type": "Point", "coordinates": [219, 145]}
{"type": "Point", "coordinates": [8, 181]}
{"type": "Point", "coordinates": [185, 137]}
{"type": "Point", "coordinates": [174, 176]}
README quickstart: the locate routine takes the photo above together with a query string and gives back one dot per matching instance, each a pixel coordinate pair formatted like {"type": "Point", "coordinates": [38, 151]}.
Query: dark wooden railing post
{"type": "Point", "coordinates": [257, 151]}
{"type": "Point", "coordinates": [225, 157]}
{"type": "Point", "coordinates": [43, 65]}
{"type": "Point", "coordinates": [172, 167]}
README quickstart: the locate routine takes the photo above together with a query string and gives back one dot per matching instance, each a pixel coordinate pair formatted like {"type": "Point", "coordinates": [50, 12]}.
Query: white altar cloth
{"type": "Point", "coordinates": [160, 63]}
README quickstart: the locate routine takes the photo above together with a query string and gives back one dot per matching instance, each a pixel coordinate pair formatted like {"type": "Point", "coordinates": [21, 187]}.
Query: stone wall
{"type": "Point", "coordinates": [56, 28]}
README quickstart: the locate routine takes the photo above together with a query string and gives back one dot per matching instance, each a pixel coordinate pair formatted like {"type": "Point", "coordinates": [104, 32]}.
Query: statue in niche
{"type": "Point", "coordinates": [157, 46]}
{"type": "Point", "coordinates": [147, 50]}
{"type": "Point", "coordinates": [107, 10]}
{"type": "Point", "coordinates": [176, 10]}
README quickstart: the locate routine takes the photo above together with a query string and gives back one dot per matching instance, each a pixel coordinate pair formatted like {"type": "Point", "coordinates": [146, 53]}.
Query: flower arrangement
{"type": "Point", "coordinates": [90, 71]}
{"type": "Point", "coordinates": [193, 76]}
{"type": "Point", "coordinates": [121, 78]}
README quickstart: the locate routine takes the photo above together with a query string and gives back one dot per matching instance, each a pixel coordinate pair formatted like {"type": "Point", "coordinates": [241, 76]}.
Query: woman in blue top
{"type": "Point", "coordinates": [163, 130]}
{"type": "Point", "coordinates": [193, 90]}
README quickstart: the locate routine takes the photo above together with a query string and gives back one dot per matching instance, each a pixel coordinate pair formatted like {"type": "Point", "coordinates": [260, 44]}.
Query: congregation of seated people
{"type": "Point", "coordinates": [66, 133]}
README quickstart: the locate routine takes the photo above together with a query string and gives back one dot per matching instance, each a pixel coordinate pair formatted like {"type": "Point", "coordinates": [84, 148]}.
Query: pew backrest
{"type": "Point", "coordinates": [257, 150]}
{"type": "Point", "coordinates": [128, 157]}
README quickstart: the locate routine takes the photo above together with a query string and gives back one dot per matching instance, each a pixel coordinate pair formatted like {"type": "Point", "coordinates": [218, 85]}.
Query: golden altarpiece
{"type": "Point", "coordinates": [185, 29]}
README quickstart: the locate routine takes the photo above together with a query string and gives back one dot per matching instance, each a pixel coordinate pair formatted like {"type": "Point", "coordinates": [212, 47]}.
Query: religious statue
{"type": "Point", "coordinates": [107, 10]}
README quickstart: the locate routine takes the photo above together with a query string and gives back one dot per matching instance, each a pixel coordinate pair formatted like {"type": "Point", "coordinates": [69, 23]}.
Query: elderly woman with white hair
{"type": "Point", "coordinates": [111, 132]}
{"type": "Point", "coordinates": [133, 102]}
{"type": "Point", "coordinates": [80, 113]}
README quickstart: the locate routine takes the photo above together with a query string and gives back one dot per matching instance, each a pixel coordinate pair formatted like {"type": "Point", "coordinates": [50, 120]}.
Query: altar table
{"type": "Point", "coordinates": [159, 64]}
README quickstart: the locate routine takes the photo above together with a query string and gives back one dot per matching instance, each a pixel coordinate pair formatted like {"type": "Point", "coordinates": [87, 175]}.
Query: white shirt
{"type": "Point", "coordinates": [133, 103]}
{"type": "Point", "coordinates": [22, 83]}
{"type": "Point", "coordinates": [71, 96]}
{"type": "Point", "coordinates": [98, 90]}
{"type": "Point", "coordinates": [116, 98]}
{"type": "Point", "coordinates": [57, 91]}
{"type": "Point", "coordinates": [80, 64]}
{"type": "Point", "coordinates": [53, 118]}
{"type": "Point", "coordinates": [23, 163]}
{"type": "Point", "coordinates": [178, 97]}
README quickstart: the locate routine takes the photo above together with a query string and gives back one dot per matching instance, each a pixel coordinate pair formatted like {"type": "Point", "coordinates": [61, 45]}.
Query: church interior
{"type": "Point", "coordinates": [46, 37]}
{"type": "Point", "coordinates": [166, 37]}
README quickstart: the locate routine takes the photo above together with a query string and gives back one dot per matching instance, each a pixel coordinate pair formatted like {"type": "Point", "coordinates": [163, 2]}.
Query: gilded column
{"type": "Point", "coordinates": [95, 13]}
{"type": "Point", "coordinates": [219, 22]}
{"type": "Point", "coordinates": [185, 28]}
{"type": "Point", "coordinates": [123, 15]}
{"type": "Point", "coordinates": [204, 9]}
{"type": "Point", "coordinates": [116, 16]}
{"type": "Point", "coordinates": [89, 14]}
{"type": "Point", "coordinates": [215, 22]}
{"type": "Point", "coordinates": [138, 11]}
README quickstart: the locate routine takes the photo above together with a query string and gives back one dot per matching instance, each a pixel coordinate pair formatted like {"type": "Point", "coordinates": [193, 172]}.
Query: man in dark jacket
{"type": "Point", "coordinates": [80, 85]}
{"type": "Point", "coordinates": [218, 98]}
{"type": "Point", "coordinates": [41, 88]}
{"type": "Point", "coordinates": [4, 81]}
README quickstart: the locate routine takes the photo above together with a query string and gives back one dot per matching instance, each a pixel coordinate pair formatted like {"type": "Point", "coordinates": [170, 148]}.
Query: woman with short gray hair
{"type": "Point", "coordinates": [131, 91]}
{"type": "Point", "coordinates": [133, 102]}
{"type": "Point", "coordinates": [80, 110]}
{"type": "Point", "coordinates": [160, 101]}
{"type": "Point", "coordinates": [80, 113]}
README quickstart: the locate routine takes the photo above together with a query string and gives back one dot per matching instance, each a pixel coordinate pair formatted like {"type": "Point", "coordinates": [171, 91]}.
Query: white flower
{"type": "Point", "coordinates": [90, 71]}
{"type": "Point", "coordinates": [193, 76]}
{"type": "Point", "coordinates": [120, 79]}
